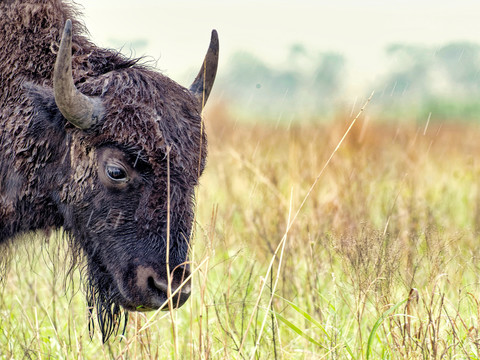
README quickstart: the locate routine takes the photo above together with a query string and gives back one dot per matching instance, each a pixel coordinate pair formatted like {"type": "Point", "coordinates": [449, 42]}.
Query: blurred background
{"type": "Point", "coordinates": [306, 60]}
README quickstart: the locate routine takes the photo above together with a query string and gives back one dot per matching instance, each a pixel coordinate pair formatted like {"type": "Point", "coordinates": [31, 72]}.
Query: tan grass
{"type": "Point", "coordinates": [394, 216]}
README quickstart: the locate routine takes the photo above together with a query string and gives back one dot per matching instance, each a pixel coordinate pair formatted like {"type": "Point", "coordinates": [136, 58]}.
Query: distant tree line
{"type": "Point", "coordinates": [419, 80]}
{"type": "Point", "coordinates": [443, 82]}
{"type": "Point", "coordinates": [304, 82]}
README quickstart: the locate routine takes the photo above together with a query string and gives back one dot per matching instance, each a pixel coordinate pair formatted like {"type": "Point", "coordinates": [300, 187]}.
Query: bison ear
{"type": "Point", "coordinates": [45, 111]}
{"type": "Point", "coordinates": [203, 83]}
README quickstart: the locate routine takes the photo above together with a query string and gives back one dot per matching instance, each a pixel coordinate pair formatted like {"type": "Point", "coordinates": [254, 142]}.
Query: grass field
{"type": "Point", "coordinates": [378, 260]}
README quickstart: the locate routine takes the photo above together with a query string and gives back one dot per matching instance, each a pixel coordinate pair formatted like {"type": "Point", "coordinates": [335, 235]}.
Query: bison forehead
{"type": "Point", "coordinates": [147, 110]}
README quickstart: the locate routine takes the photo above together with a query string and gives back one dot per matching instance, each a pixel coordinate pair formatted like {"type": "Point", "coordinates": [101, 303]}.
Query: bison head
{"type": "Point", "coordinates": [133, 149]}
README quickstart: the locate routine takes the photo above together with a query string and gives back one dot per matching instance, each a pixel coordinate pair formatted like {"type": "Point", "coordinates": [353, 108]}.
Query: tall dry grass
{"type": "Point", "coordinates": [381, 261]}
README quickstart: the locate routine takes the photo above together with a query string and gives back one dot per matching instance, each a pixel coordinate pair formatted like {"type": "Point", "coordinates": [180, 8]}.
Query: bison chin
{"type": "Point", "coordinates": [138, 287]}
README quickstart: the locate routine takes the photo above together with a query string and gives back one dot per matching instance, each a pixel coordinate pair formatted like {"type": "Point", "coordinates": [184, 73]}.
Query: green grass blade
{"type": "Point", "coordinates": [308, 317]}
{"type": "Point", "coordinates": [298, 330]}
{"type": "Point", "coordinates": [379, 322]}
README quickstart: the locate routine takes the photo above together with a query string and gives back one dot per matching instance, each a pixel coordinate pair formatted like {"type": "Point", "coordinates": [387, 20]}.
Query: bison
{"type": "Point", "coordinates": [103, 148]}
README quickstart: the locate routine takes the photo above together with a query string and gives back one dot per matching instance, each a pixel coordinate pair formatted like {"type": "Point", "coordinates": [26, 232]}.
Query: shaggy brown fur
{"type": "Point", "coordinates": [52, 174]}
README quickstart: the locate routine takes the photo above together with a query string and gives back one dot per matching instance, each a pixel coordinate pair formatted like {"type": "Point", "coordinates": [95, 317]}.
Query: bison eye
{"type": "Point", "coordinates": [116, 173]}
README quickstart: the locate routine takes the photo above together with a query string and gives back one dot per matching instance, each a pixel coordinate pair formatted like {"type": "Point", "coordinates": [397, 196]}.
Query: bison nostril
{"type": "Point", "coordinates": [157, 285]}
{"type": "Point", "coordinates": [179, 296]}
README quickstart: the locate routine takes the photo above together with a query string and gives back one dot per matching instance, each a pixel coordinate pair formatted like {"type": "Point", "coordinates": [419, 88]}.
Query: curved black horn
{"type": "Point", "coordinates": [79, 109]}
{"type": "Point", "coordinates": [203, 83]}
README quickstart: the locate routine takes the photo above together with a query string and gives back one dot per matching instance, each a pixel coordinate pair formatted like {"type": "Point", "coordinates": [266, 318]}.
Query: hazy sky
{"type": "Point", "coordinates": [177, 32]}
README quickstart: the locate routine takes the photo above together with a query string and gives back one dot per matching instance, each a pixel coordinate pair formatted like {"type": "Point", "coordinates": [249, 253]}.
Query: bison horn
{"type": "Point", "coordinates": [80, 110]}
{"type": "Point", "coordinates": [203, 83]}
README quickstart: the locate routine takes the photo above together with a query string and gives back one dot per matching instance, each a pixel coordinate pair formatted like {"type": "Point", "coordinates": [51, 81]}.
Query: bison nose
{"type": "Point", "coordinates": [180, 287]}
